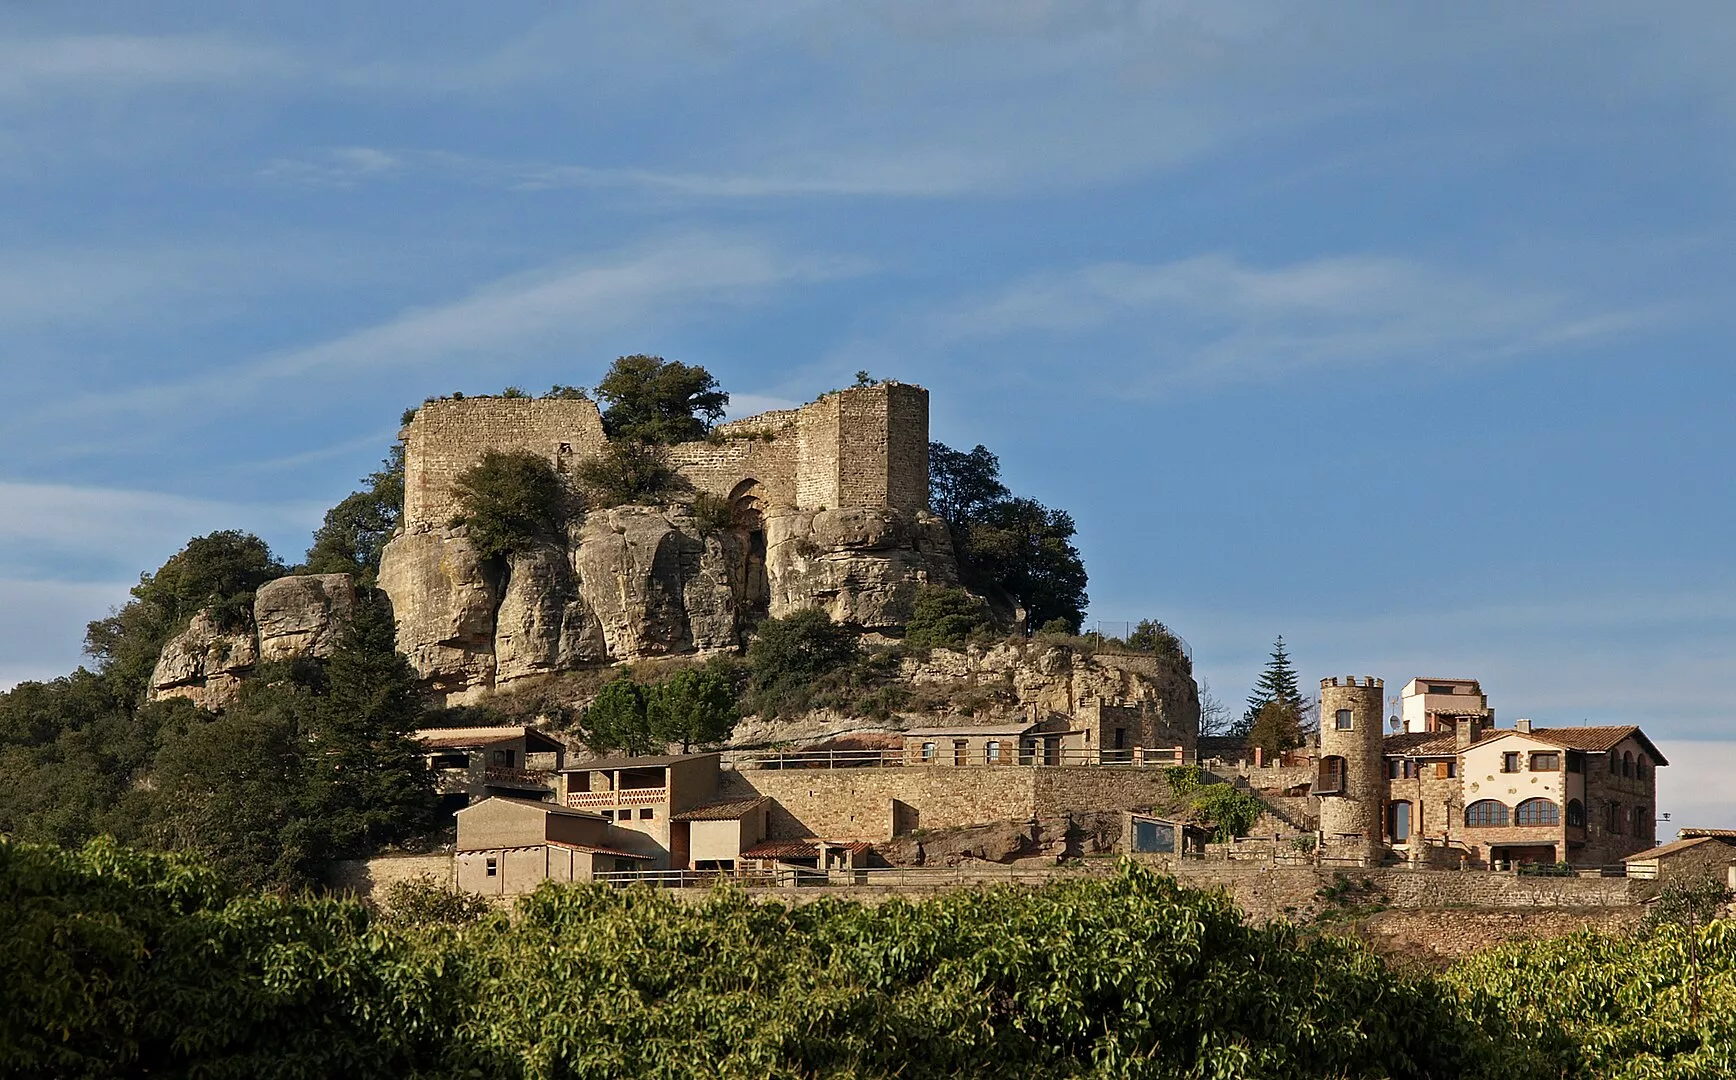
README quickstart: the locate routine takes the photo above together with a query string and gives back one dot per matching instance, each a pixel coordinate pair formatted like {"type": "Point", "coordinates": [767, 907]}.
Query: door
{"type": "Point", "coordinates": [960, 752]}
{"type": "Point", "coordinates": [1398, 822]}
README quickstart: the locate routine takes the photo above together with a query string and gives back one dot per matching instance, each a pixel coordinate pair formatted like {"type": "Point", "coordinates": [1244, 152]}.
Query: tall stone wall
{"type": "Point", "coordinates": [447, 437]}
{"type": "Point", "coordinates": [906, 447]}
{"type": "Point", "coordinates": [817, 454]}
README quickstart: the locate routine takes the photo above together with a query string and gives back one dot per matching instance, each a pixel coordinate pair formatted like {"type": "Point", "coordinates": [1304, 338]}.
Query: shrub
{"type": "Point", "coordinates": [789, 655]}
{"type": "Point", "coordinates": [1693, 902]}
{"type": "Point", "coordinates": [945, 617]}
{"type": "Point", "coordinates": [1232, 810]}
{"type": "Point", "coordinates": [511, 501]}
{"type": "Point", "coordinates": [629, 472]}
{"type": "Point", "coordinates": [1183, 780]}
{"type": "Point", "coordinates": [422, 901]}
{"type": "Point", "coordinates": [712, 513]}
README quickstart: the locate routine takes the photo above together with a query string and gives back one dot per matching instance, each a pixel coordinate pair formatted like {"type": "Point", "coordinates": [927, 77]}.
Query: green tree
{"type": "Point", "coordinates": [218, 573]}
{"type": "Point", "coordinates": [1154, 637]}
{"type": "Point", "coordinates": [617, 718]}
{"type": "Point", "coordinates": [962, 486]}
{"type": "Point", "coordinates": [511, 501]}
{"type": "Point", "coordinates": [1277, 683]}
{"type": "Point", "coordinates": [654, 400]}
{"type": "Point", "coordinates": [355, 531]}
{"type": "Point", "coordinates": [1232, 811]}
{"type": "Point", "coordinates": [367, 780]}
{"type": "Point", "coordinates": [628, 472]}
{"type": "Point", "coordinates": [1276, 727]}
{"type": "Point", "coordinates": [1027, 549]}
{"type": "Point", "coordinates": [945, 617]}
{"type": "Point", "coordinates": [790, 656]}
{"type": "Point", "coordinates": [693, 708]}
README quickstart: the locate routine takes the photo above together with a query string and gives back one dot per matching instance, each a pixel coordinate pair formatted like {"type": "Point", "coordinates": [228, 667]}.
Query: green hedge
{"type": "Point", "coordinates": [114, 963]}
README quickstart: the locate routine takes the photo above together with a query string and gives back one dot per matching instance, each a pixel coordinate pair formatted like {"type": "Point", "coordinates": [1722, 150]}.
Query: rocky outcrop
{"type": "Point", "coordinates": [298, 615]}
{"type": "Point", "coordinates": [302, 615]}
{"type": "Point", "coordinates": [859, 565]}
{"type": "Point", "coordinates": [204, 663]}
{"type": "Point", "coordinates": [636, 582]}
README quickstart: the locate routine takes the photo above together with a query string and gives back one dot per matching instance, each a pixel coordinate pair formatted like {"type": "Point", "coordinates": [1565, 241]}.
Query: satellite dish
{"type": "Point", "coordinates": [1394, 722]}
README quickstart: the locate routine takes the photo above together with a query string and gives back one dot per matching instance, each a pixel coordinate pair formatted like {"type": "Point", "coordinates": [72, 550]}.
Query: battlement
{"type": "Point", "coordinates": [1368, 681]}
{"type": "Point", "coordinates": [866, 446]}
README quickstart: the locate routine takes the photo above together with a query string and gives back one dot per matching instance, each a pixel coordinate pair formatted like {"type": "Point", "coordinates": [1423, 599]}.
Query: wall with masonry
{"type": "Point", "coordinates": [447, 437]}
{"type": "Point", "coordinates": [372, 877]}
{"type": "Point", "coordinates": [857, 804]}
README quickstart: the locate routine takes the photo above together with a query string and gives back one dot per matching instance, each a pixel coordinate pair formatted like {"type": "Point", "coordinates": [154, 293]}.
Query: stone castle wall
{"type": "Point", "coordinates": [860, 447]}
{"type": "Point", "coordinates": [1353, 818]}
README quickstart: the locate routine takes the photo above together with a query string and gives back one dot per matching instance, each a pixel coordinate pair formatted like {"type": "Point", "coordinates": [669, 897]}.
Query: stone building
{"type": "Point", "coordinates": [826, 505]}
{"type": "Point", "coordinates": [1428, 705]}
{"type": "Point", "coordinates": [473, 763]}
{"type": "Point", "coordinates": [510, 846]}
{"type": "Point", "coordinates": [1351, 784]}
{"type": "Point", "coordinates": [1694, 854]}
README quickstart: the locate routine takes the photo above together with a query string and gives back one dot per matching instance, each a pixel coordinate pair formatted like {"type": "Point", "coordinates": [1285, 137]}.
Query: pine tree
{"type": "Point", "coordinates": [1277, 684]}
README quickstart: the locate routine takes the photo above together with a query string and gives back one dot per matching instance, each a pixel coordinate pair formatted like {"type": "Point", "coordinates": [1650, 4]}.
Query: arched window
{"type": "Point", "coordinates": [1575, 814]}
{"type": "Point", "coordinates": [1537, 812]}
{"type": "Point", "coordinates": [1627, 764]}
{"type": "Point", "coordinates": [1331, 778]}
{"type": "Point", "coordinates": [1485, 813]}
{"type": "Point", "coordinates": [1640, 767]}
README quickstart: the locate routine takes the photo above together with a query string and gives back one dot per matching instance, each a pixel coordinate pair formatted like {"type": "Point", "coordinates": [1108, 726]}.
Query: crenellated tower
{"type": "Point", "coordinates": [1351, 782]}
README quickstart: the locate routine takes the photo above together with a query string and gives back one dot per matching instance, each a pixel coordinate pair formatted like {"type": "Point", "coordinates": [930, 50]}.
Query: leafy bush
{"type": "Point", "coordinates": [789, 656]}
{"type": "Point", "coordinates": [1183, 780]}
{"type": "Point", "coordinates": [1232, 810]}
{"type": "Point", "coordinates": [629, 472]}
{"type": "Point", "coordinates": [1151, 636]}
{"type": "Point", "coordinates": [945, 618]}
{"type": "Point", "coordinates": [118, 964]}
{"type": "Point", "coordinates": [712, 513]}
{"type": "Point", "coordinates": [421, 901]}
{"type": "Point", "coordinates": [1693, 902]}
{"type": "Point", "coordinates": [511, 501]}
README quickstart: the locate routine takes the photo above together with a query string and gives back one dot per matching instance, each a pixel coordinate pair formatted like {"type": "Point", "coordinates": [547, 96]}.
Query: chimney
{"type": "Point", "coordinates": [1522, 726]}
{"type": "Point", "coordinates": [1464, 731]}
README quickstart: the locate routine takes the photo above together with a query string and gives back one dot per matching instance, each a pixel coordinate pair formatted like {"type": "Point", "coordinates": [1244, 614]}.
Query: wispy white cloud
{"type": "Point", "coordinates": [1213, 318]}
{"type": "Point", "coordinates": [341, 167]}
{"type": "Point", "coordinates": [118, 62]}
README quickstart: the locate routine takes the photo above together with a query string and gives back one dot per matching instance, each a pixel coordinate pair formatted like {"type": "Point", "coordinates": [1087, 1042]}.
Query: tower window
{"type": "Point", "coordinates": [1345, 720]}
{"type": "Point", "coordinates": [1330, 780]}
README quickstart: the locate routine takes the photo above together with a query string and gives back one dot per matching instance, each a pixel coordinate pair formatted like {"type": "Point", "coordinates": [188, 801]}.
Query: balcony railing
{"type": "Point", "coordinates": [598, 800]}
{"type": "Point", "coordinates": [944, 755]}
{"type": "Point", "coordinates": [502, 776]}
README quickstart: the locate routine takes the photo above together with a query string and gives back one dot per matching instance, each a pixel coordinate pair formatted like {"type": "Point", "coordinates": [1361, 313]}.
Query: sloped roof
{"type": "Point", "coordinates": [476, 738]}
{"type": "Point", "coordinates": [598, 850]}
{"type": "Point", "coordinates": [974, 729]}
{"type": "Point", "coordinates": [1595, 739]}
{"type": "Point", "coordinates": [1670, 848]}
{"type": "Point", "coordinates": [1719, 834]}
{"type": "Point", "coordinates": [722, 811]}
{"type": "Point", "coordinates": [801, 849]}
{"type": "Point", "coordinates": [1421, 744]}
{"type": "Point", "coordinates": [534, 804]}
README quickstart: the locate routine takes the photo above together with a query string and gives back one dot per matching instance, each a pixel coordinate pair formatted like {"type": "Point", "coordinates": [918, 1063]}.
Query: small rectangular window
{"type": "Point", "coordinates": [500, 757]}
{"type": "Point", "coordinates": [647, 814]}
{"type": "Point", "coordinates": [493, 868]}
{"type": "Point", "coordinates": [1575, 762]}
{"type": "Point", "coordinates": [992, 750]}
{"type": "Point", "coordinates": [1545, 762]}
{"type": "Point", "coordinates": [1510, 761]}
{"type": "Point", "coordinates": [1344, 720]}
{"type": "Point", "coordinates": [1394, 769]}
{"type": "Point", "coordinates": [1446, 770]}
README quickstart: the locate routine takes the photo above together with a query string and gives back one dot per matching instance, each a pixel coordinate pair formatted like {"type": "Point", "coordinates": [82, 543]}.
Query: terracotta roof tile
{"type": "Point", "coordinates": [1421, 744]}
{"type": "Point", "coordinates": [1668, 849]}
{"type": "Point", "coordinates": [801, 849]}
{"type": "Point", "coordinates": [721, 811]}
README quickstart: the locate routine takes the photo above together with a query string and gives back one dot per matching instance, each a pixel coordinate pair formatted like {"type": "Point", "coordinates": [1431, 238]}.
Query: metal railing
{"type": "Point", "coordinates": [942, 754]}
{"type": "Point", "coordinates": [587, 800]}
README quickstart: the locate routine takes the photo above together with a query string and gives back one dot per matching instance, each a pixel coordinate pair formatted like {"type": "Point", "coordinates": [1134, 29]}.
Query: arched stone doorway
{"type": "Point", "coordinates": [747, 502]}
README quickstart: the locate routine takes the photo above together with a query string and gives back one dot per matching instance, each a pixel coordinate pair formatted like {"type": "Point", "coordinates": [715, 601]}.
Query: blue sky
{"type": "Point", "coordinates": [1403, 333]}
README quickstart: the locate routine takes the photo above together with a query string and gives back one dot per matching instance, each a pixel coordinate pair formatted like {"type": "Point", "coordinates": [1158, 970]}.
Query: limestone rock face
{"type": "Point", "coordinates": [204, 663]}
{"type": "Point", "coordinates": [302, 615]}
{"type": "Point", "coordinates": [634, 582]}
{"type": "Point", "coordinates": [860, 566]}
{"type": "Point", "coordinates": [444, 601]}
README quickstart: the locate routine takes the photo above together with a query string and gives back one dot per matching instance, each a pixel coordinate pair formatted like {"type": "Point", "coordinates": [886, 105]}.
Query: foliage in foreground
{"type": "Point", "coordinates": [123, 964]}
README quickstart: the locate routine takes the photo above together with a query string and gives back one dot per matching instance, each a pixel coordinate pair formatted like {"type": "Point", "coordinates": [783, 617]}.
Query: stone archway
{"type": "Point", "coordinates": [747, 501]}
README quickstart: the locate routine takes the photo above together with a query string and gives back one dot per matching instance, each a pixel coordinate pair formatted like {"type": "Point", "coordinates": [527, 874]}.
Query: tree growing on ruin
{"type": "Point", "coordinates": [1005, 544]}
{"type": "Point", "coordinates": [654, 400]}
{"type": "Point", "coordinates": [510, 501]}
{"type": "Point", "coordinates": [629, 472]}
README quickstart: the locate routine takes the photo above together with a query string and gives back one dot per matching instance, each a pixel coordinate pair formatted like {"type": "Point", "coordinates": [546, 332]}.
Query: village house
{"type": "Point", "coordinates": [473, 763]}
{"type": "Point", "coordinates": [1695, 853]}
{"type": "Point", "coordinates": [510, 846]}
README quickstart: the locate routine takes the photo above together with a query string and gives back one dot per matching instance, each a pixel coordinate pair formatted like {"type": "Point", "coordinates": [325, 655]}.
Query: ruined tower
{"type": "Point", "coordinates": [1351, 783]}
